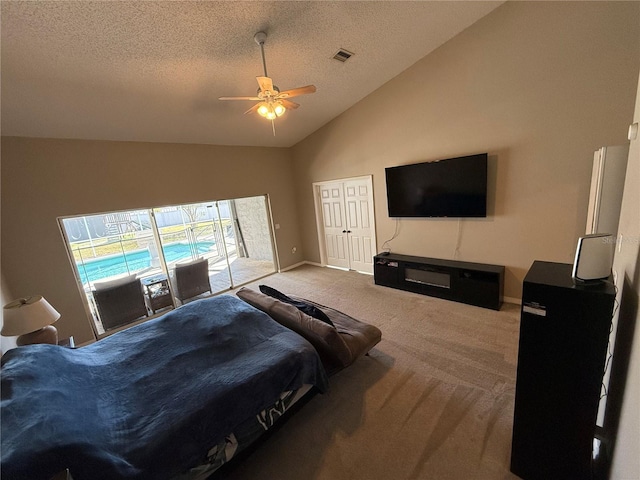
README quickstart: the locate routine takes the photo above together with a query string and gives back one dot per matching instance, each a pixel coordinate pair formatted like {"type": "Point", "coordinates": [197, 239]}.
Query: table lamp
{"type": "Point", "coordinates": [31, 319]}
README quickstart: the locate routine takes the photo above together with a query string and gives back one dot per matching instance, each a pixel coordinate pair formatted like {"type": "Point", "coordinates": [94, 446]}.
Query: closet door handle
{"type": "Point", "coordinates": [348, 231]}
{"type": "Point", "coordinates": [344, 231]}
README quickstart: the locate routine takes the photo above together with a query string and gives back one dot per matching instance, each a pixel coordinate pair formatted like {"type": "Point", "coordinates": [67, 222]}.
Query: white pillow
{"type": "Point", "coordinates": [114, 282]}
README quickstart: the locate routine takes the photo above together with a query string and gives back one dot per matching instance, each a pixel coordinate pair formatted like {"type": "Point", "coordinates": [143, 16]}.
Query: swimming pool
{"type": "Point", "coordinates": [135, 260]}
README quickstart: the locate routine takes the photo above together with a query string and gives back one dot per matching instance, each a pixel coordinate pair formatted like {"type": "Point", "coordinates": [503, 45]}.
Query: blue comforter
{"type": "Point", "coordinates": [147, 402]}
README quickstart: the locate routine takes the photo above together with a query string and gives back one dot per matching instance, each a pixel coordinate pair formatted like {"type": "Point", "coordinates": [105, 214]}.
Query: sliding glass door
{"type": "Point", "coordinates": [110, 248]}
{"type": "Point", "coordinates": [155, 247]}
{"type": "Point", "coordinates": [234, 236]}
{"type": "Point", "coordinates": [195, 231]}
{"type": "Point", "coordinates": [251, 252]}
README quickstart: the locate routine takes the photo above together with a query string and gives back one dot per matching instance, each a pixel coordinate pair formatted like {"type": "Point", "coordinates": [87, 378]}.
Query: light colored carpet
{"type": "Point", "coordinates": [434, 400]}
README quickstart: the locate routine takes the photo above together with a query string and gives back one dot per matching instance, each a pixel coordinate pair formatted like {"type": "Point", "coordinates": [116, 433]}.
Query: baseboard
{"type": "Point", "coordinates": [336, 268]}
{"type": "Point", "coordinates": [515, 301]}
{"type": "Point", "coordinates": [299, 264]}
{"type": "Point", "coordinates": [315, 264]}
{"type": "Point", "coordinates": [291, 267]}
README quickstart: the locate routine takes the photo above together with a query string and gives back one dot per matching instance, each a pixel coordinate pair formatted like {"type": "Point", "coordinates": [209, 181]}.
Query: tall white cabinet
{"type": "Point", "coordinates": [607, 185]}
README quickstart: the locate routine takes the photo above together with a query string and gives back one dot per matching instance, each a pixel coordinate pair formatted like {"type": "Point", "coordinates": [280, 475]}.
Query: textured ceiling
{"type": "Point", "coordinates": [153, 70]}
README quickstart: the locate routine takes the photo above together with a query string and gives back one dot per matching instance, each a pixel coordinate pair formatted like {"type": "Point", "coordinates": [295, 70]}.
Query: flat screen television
{"type": "Point", "coordinates": [455, 187]}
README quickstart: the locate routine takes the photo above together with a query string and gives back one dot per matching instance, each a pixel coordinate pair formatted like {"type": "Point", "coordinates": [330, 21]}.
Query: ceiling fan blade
{"type": "Point", "coordinates": [239, 98]}
{"type": "Point", "coordinates": [253, 109]}
{"type": "Point", "coordinates": [265, 83]}
{"type": "Point", "coordinates": [288, 104]}
{"type": "Point", "coordinates": [294, 92]}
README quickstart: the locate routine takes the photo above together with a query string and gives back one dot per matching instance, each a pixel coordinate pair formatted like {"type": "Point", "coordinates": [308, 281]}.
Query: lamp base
{"type": "Point", "coordinates": [48, 334]}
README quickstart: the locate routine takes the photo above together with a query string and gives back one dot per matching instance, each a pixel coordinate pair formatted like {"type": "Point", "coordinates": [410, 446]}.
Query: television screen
{"type": "Point", "coordinates": [456, 187]}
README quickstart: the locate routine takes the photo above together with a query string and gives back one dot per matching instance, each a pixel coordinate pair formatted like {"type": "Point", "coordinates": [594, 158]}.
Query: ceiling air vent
{"type": "Point", "coordinates": [342, 55]}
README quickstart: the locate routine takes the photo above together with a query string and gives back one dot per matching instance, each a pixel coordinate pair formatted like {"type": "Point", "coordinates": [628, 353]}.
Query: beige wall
{"type": "Point", "coordinates": [6, 343]}
{"type": "Point", "coordinates": [539, 86]}
{"type": "Point", "coordinates": [626, 460]}
{"type": "Point", "coordinates": [43, 179]}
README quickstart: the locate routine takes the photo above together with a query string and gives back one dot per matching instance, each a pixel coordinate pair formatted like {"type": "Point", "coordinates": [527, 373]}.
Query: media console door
{"type": "Point", "coordinates": [472, 283]}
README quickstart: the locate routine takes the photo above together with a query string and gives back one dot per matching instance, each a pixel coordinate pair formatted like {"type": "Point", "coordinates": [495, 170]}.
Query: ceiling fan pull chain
{"type": "Point", "coordinates": [273, 126]}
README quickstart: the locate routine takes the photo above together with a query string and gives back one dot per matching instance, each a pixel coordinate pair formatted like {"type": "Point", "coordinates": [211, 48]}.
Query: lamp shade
{"type": "Point", "coordinates": [27, 315]}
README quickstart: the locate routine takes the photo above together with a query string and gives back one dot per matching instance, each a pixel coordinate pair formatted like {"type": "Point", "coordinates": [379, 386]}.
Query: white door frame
{"type": "Point", "coordinates": [320, 224]}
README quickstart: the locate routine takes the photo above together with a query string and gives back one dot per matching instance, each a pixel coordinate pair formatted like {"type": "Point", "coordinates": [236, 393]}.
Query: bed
{"type": "Point", "coordinates": [173, 398]}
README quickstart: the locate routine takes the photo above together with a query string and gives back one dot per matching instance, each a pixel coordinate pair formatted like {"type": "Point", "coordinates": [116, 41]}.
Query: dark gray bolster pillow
{"type": "Point", "coordinates": [325, 338]}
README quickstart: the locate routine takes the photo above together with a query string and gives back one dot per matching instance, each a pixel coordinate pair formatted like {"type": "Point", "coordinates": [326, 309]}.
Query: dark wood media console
{"type": "Point", "coordinates": [466, 282]}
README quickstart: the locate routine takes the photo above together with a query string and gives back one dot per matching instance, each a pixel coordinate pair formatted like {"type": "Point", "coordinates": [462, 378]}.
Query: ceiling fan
{"type": "Point", "coordinates": [272, 103]}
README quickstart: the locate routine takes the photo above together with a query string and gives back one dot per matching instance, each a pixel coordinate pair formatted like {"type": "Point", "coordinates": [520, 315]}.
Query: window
{"type": "Point", "coordinates": [234, 236]}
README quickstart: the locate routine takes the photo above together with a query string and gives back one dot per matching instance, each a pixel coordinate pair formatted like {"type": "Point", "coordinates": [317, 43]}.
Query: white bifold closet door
{"type": "Point", "coordinates": [346, 223]}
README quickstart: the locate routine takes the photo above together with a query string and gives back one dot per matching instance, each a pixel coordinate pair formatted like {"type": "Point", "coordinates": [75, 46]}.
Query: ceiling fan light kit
{"type": "Point", "coordinates": [272, 102]}
{"type": "Point", "coordinates": [271, 110]}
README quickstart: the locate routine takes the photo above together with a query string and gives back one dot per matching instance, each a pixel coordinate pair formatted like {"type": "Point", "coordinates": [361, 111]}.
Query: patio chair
{"type": "Point", "coordinates": [119, 301]}
{"type": "Point", "coordinates": [191, 279]}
